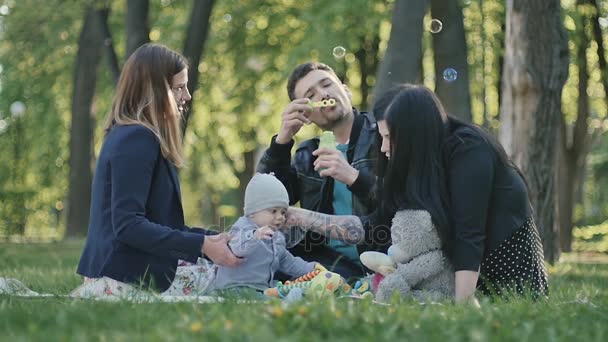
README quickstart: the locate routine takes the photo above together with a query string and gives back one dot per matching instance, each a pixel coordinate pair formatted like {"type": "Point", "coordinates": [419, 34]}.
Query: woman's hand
{"type": "Point", "coordinates": [216, 248]}
{"type": "Point", "coordinates": [466, 284]}
{"type": "Point", "coordinates": [264, 233]}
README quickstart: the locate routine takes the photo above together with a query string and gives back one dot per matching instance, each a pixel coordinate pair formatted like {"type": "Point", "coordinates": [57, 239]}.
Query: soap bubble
{"type": "Point", "coordinates": [339, 52]}
{"type": "Point", "coordinates": [17, 109]}
{"type": "Point", "coordinates": [450, 74]}
{"type": "Point", "coordinates": [436, 26]}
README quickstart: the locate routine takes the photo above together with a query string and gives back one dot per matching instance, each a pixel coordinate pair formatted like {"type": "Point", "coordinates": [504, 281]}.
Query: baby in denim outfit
{"type": "Point", "coordinates": [256, 237]}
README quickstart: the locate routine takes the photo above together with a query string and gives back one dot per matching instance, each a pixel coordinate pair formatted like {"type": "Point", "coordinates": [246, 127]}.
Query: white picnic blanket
{"type": "Point", "coordinates": [190, 283]}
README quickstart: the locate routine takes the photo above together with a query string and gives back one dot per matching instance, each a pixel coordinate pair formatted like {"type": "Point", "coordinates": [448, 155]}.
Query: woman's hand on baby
{"type": "Point", "coordinates": [216, 248]}
{"type": "Point", "coordinates": [264, 233]}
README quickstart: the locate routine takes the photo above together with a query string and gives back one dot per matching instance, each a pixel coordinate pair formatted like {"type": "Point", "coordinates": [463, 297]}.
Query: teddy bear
{"type": "Point", "coordinates": [416, 266]}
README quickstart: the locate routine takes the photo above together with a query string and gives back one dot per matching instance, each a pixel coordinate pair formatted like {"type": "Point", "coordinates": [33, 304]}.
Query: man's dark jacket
{"type": "Point", "coordinates": [314, 192]}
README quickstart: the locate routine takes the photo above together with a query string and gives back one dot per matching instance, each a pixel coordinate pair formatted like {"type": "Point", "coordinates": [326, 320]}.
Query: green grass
{"type": "Point", "coordinates": [577, 310]}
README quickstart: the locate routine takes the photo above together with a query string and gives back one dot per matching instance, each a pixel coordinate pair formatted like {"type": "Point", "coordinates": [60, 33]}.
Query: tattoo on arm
{"type": "Point", "coordinates": [346, 228]}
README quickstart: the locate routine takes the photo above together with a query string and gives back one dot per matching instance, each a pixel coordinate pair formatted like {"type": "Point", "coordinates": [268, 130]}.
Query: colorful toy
{"type": "Point", "coordinates": [316, 284]}
{"type": "Point", "coordinates": [362, 289]}
{"type": "Point", "coordinates": [323, 103]}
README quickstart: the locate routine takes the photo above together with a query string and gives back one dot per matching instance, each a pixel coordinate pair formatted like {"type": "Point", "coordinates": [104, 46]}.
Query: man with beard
{"type": "Point", "coordinates": [337, 181]}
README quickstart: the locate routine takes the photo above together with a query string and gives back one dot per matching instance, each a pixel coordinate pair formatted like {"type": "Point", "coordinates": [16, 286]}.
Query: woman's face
{"type": "Point", "coordinates": [179, 87]}
{"type": "Point", "coordinates": [386, 138]}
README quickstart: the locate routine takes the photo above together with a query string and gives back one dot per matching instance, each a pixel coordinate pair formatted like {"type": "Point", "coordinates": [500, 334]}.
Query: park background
{"type": "Point", "coordinates": [532, 72]}
{"type": "Point", "coordinates": [60, 61]}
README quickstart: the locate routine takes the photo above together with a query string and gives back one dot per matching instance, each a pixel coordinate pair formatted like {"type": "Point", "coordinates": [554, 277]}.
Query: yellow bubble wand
{"type": "Point", "coordinates": [322, 103]}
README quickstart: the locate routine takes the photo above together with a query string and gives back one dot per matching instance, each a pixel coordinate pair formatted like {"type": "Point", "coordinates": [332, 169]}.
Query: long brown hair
{"type": "Point", "coordinates": [144, 97]}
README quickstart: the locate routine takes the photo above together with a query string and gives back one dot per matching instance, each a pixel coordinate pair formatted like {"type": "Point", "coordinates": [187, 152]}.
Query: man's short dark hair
{"type": "Point", "coordinates": [302, 70]}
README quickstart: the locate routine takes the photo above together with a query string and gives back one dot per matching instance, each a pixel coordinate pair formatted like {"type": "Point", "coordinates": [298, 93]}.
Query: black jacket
{"type": "Point", "coordinates": [314, 192]}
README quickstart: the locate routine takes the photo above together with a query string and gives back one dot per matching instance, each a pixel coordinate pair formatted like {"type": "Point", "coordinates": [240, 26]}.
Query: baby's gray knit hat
{"type": "Point", "coordinates": [265, 191]}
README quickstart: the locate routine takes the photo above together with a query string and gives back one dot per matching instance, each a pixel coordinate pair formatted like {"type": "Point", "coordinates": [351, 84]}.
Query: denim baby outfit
{"type": "Point", "coordinates": [262, 259]}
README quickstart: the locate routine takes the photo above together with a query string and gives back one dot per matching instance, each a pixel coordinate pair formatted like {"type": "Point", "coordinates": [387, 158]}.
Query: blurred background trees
{"type": "Point", "coordinates": [532, 72]}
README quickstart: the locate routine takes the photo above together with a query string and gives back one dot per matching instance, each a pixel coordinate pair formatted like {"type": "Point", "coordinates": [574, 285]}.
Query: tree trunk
{"type": "Point", "coordinates": [450, 51]}
{"type": "Point", "coordinates": [535, 70]}
{"type": "Point", "coordinates": [138, 30]}
{"type": "Point", "coordinates": [566, 178]}
{"type": "Point", "coordinates": [194, 44]}
{"type": "Point", "coordinates": [501, 62]}
{"type": "Point", "coordinates": [401, 62]}
{"type": "Point", "coordinates": [574, 150]}
{"type": "Point", "coordinates": [245, 175]}
{"type": "Point", "coordinates": [109, 44]}
{"type": "Point", "coordinates": [484, 104]}
{"type": "Point", "coordinates": [601, 54]}
{"type": "Point", "coordinates": [367, 56]}
{"type": "Point", "coordinates": [90, 47]}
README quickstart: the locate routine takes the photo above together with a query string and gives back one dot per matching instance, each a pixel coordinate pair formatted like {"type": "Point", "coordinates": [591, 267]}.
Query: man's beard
{"type": "Point", "coordinates": [331, 124]}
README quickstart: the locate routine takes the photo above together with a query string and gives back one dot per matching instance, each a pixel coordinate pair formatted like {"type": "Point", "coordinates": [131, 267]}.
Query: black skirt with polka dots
{"type": "Point", "coordinates": [516, 267]}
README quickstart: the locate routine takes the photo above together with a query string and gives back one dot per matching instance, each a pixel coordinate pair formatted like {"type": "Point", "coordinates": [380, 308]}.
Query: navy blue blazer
{"type": "Point", "coordinates": [136, 228]}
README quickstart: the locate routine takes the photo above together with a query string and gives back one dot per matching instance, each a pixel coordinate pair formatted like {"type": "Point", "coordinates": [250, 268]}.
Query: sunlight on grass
{"type": "Point", "coordinates": [576, 310]}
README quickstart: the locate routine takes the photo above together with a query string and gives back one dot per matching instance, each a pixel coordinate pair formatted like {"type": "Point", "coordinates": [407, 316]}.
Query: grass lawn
{"type": "Point", "coordinates": [576, 311]}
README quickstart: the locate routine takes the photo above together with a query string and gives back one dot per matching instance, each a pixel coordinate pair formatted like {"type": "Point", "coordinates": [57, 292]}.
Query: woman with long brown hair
{"type": "Point", "coordinates": [136, 230]}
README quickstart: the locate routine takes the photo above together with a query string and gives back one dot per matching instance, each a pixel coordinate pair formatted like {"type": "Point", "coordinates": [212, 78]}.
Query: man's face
{"type": "Point", "coordinates": [320, 85]}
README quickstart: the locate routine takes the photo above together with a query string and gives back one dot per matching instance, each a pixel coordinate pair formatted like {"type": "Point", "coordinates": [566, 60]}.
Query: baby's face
{"type": "Point", "coordinates": [272, 217]}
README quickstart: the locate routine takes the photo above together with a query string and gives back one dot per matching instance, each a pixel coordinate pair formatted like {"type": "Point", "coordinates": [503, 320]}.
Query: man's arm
{"type": "Point", "coordinates": [346, 228]}
{"type": "Point", "coordinates": [277, 158]}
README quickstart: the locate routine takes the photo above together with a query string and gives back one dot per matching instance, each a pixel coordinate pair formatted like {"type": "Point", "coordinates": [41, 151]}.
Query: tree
{"type": "Point", "coordinates": [574, 141]}
{"type": "Point", "coordinates": [136, 22]}
{"type": "Point", "coordinates": [535, 70]}
{"type": "Point", "coordinates": [90, 48]}
{"type": "Point", "coordinates": [196, 36]}
{"type": "Point", "coordinates": [403, 57]}
{"type": "Point", "coordinates": [367, 56]}
{"type": "Point", "coordinates": [601, 51]}
{"type": "Point", "coordinates": [450, 51]}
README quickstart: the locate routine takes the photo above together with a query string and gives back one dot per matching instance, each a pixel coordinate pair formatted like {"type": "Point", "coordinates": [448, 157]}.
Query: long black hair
{"type": "Point", "coordinates": [416, 175]}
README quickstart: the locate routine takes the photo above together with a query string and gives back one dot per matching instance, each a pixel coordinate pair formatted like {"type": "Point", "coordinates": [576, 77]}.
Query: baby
{"type": "Point", "coordinates": [256, 238]}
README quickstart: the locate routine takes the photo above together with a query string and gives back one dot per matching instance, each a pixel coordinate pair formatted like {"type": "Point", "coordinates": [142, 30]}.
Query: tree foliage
{"type": "Point", "coordinates": [250, 49]}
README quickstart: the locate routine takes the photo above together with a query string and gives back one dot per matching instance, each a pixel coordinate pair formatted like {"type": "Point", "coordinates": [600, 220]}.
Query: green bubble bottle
{"type": "Point", "coordinates": [327, 140]}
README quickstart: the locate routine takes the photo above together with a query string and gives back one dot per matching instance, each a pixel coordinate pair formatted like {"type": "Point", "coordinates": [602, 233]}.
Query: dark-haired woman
{"type": "Point", "coordinates": [476, 196]}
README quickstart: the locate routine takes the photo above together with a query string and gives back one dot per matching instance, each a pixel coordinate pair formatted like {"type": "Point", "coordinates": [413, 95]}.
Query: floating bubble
{"type": "Point", "coordinates": [603, 22]}
{"type": "Point", "coordinates": [450, 74]}
{"type": "Point", "coordinates": [435, 26]}
{"type": "Point", "coordinates": [339, 52]}
{"type": "Point", "coordinates": [227, 17]}
{"type": "Point", "coordinates": [17, 109]}
{"type": "Point", "coordinates": [466, 2]}
{"type": "Point", "coordinates": [4, 10]}
{"type": "Point", "coordinates": [255, 64]}
{"type": "Point", "coordinates": [250, 25]}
